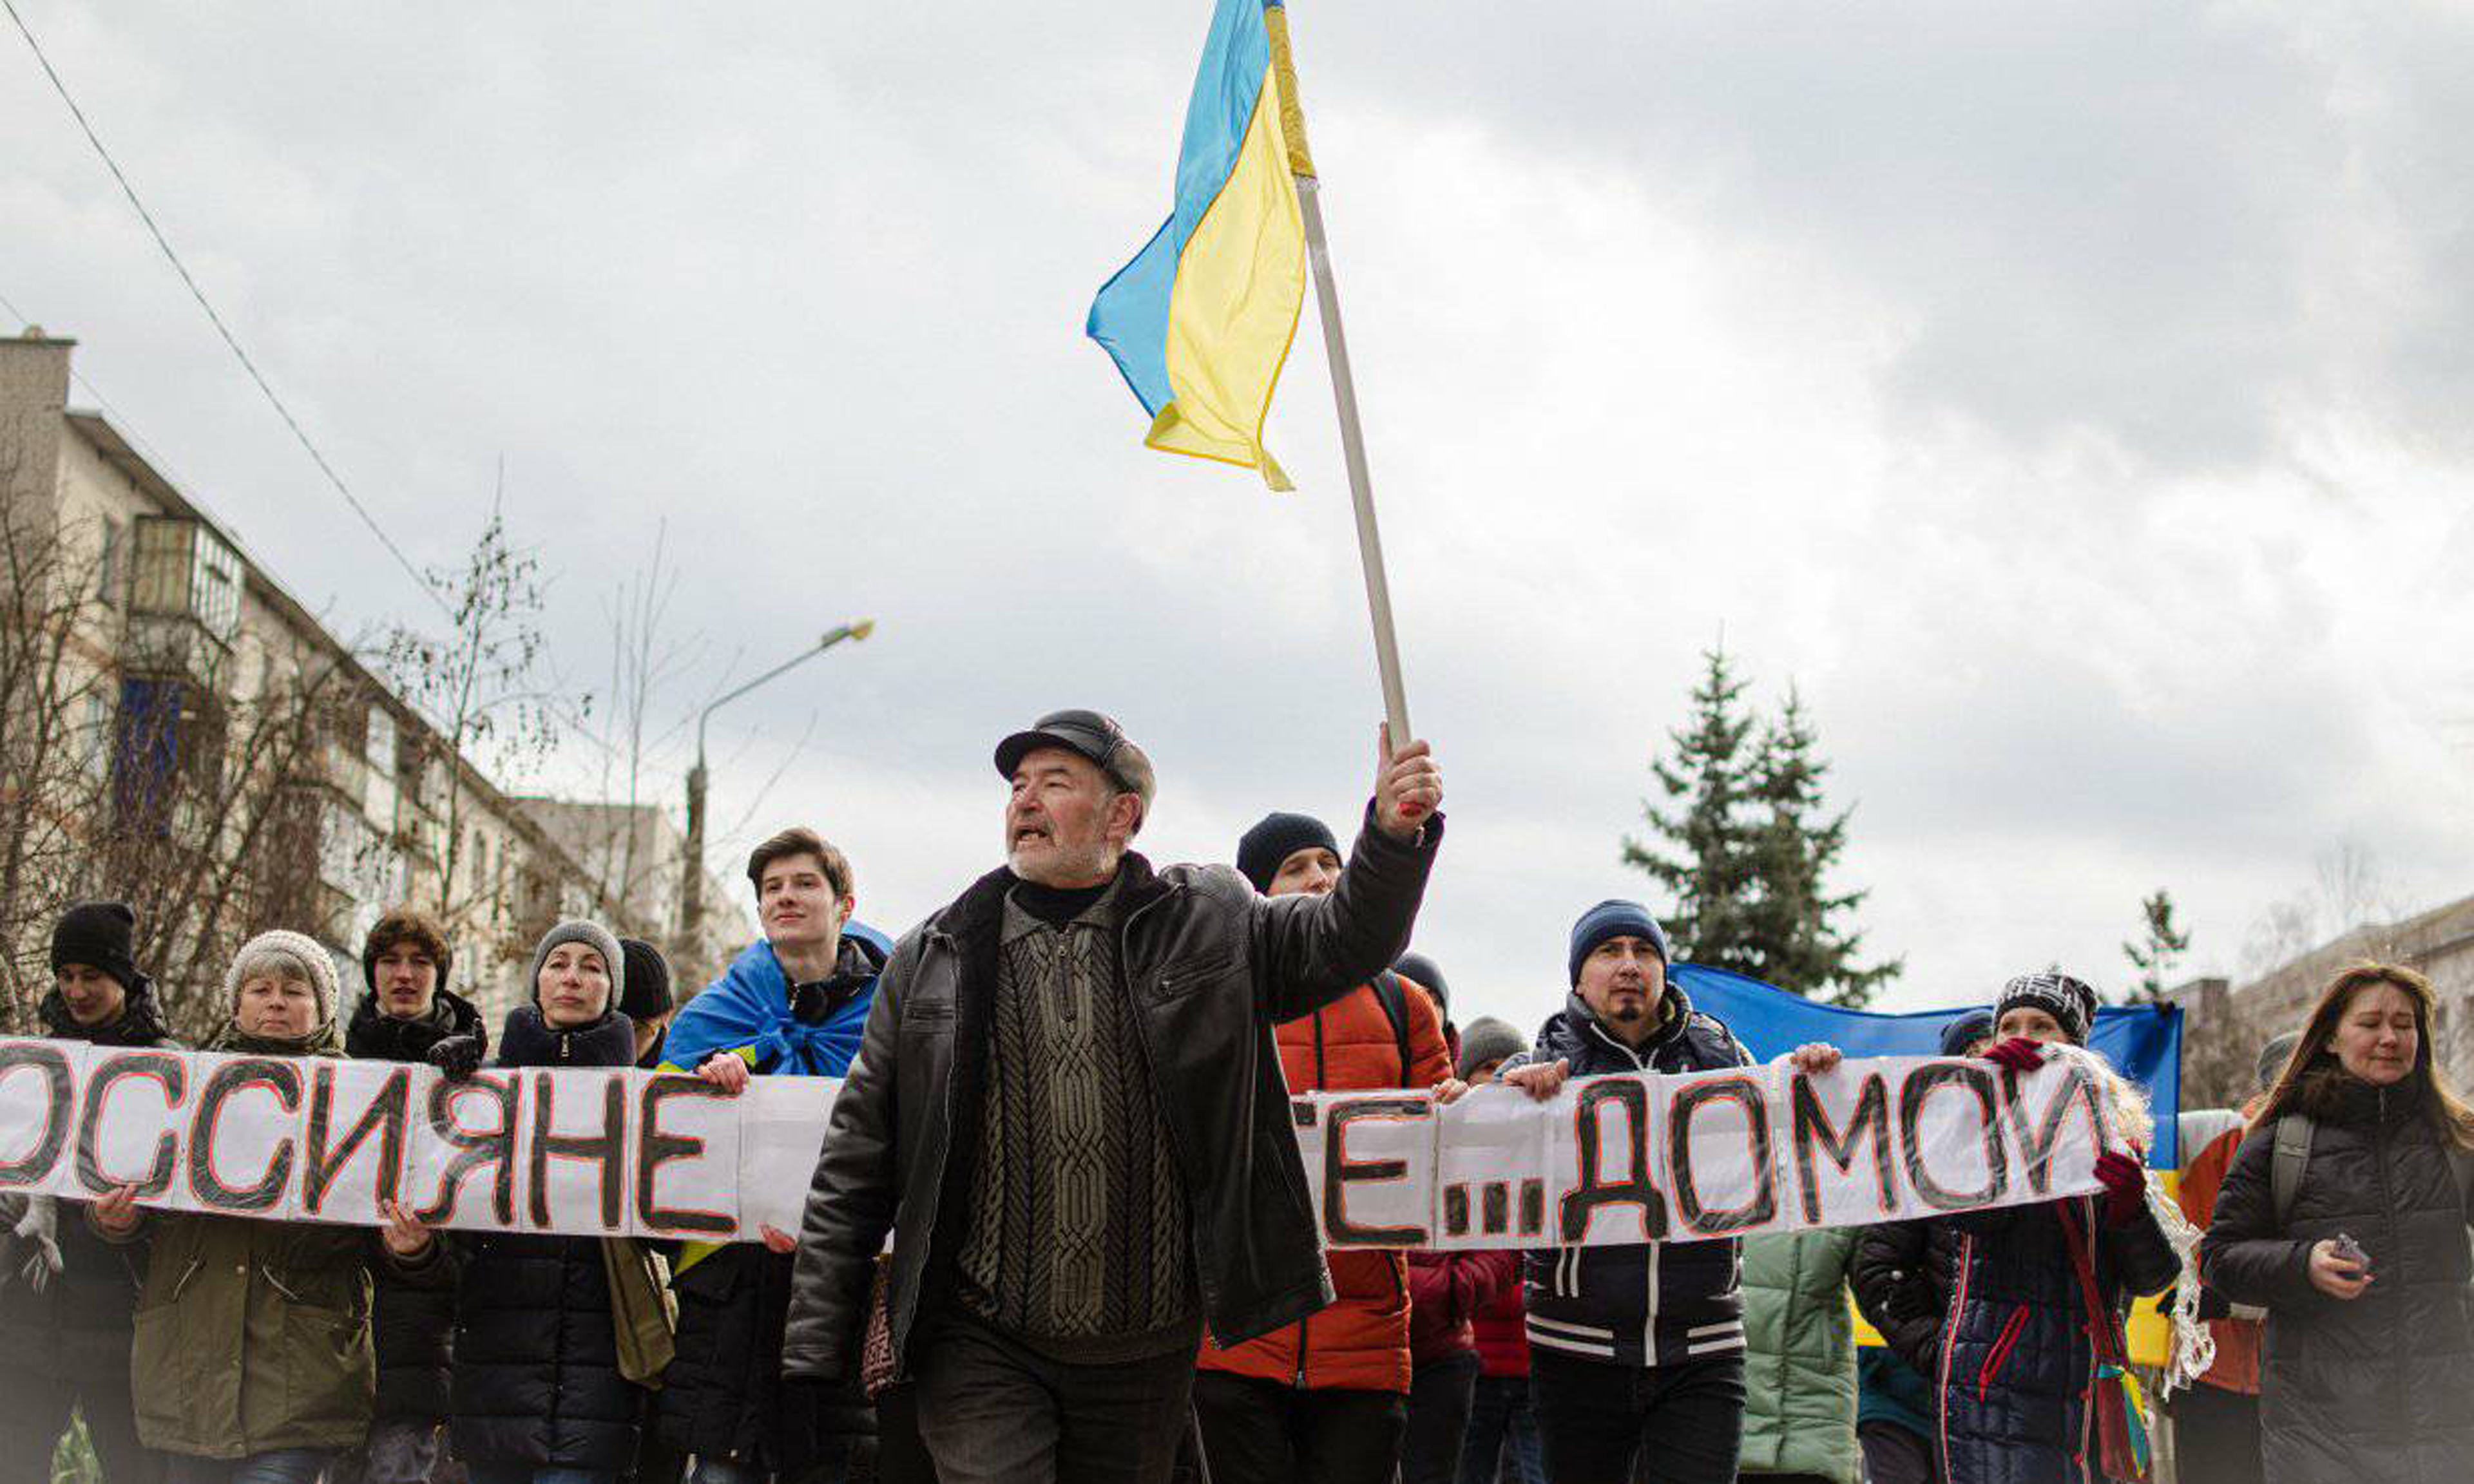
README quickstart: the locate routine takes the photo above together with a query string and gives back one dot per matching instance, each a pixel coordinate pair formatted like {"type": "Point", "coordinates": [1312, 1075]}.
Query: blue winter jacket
{"type": "Point", "coordinates": [2017, 1362]}
{"type": "Point", "coordinates": [1653, 1303]}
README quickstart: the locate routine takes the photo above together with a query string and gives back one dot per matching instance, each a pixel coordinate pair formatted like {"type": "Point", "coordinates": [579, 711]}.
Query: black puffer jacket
{"type": "Point", "coordinates": [2016, 1365]}
{"type": "Point", "coordinates": [1903, 1274]}
{"type": "Point", "coordinates": [80, 1325]}
{"type": "Point", "coordinates": [723, 1397]}
{"type": "Point", "coordinates": [413, 1325]}
{"type": "Point", "coordinates": [2378, 1390]}
{"type": "Point", "coordinates": [1685, 1296]}
{"type": "Point", "coordinates": [1212, 969]}
{"type": "Point", "coordinates": [536, 1373]}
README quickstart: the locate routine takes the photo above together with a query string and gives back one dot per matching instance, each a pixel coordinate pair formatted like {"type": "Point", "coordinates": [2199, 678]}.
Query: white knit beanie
{"type": "Point", "coordinates": [286, 953]}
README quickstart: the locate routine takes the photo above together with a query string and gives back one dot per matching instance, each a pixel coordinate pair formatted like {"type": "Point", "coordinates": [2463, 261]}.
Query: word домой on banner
{"type": "Point", "coordinates": [1629, 1157]}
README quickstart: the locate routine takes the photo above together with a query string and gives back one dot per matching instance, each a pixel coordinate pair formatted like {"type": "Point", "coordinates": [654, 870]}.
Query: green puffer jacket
{"type": "Point", "coordinates": [255, 1336]}
{"type": "Point", "coordinates": [1800, 1356]}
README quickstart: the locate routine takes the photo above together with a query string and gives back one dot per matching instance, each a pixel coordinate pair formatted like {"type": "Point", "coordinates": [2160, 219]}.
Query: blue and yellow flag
{"type": "Point", "coordinates": [1200, 322]}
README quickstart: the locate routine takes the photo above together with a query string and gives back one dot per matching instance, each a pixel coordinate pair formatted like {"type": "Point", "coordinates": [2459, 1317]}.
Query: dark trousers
{"type": "Point", "coordinates": [994, 1411]}
{"type": "Point", "coordinates": [34, 1412]}
{"type": "Point", "coordinates": [2216, 1436]}
{"type": "Point", "coordinates": [1895, 1455]}
{"type": "Point", "coordinates": [901, 1454]}
{"type": "Point", "coordinates": [1440, 1391]}
{"type": "Point", "coordinates": [1263, 1432]}
{"type": "Point", "coordinates": [1502, 1442]}
{"type": "Point", "coordinates": [1683, 1423]}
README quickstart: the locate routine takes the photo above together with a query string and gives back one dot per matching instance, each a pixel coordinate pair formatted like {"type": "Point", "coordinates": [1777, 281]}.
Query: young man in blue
{"type": "Point", "coordinates": [792, 1005]}
{"type": "Point", "coordinates": [1636, 1351]}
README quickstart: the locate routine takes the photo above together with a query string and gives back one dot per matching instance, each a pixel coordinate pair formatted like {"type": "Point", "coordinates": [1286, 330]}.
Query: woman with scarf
{"type": "Point", "coordinates": [2030, 1366]}
{"type": "Point", "coordinates": [252, 1362]}
{"type": "Point", "coordinates": [2344, 1216]}
{"type": "Point", "coordinates": [542, 1392]}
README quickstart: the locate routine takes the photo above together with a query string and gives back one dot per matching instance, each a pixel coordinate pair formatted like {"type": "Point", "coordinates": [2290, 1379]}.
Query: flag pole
{"type": "Point", "coordinates": [1343, 386]}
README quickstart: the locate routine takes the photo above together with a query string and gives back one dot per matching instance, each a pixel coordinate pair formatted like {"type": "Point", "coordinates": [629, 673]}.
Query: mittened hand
{"type": "Point", "coordinates": [2018, 1054]}
{"type": "Point", "coordinates": [2126, 1186]}
{"type": "Point", "coordinates": [457, 1056]}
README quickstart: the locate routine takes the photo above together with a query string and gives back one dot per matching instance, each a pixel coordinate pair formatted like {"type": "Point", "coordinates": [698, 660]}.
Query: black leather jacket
{"type": "Point", "coordinates": [1212, 969]}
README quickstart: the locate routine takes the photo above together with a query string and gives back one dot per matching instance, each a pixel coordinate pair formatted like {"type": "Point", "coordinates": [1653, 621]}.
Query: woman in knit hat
{"type": "Point", "coordinates": [539, 1390]}
{"type": "Point", "coordinates": [2034, 1339]}
{"type": "Point", "coordinates": [210, 1389]}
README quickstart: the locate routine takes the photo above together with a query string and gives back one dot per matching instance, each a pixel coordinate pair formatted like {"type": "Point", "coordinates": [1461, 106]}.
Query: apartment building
{"type": "Point", "coordinates": [229, 736]}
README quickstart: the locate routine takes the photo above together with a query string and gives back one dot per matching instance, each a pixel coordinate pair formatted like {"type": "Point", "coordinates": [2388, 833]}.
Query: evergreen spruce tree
{"type": "Point", "coordinates": [1744, 849]}
{"type": "Point", "coordinates": [2161, 945]}
{"type": "Point", "coordinates": [1711, 873]}
{"type": "Point", "coordinates": [1798, 944]}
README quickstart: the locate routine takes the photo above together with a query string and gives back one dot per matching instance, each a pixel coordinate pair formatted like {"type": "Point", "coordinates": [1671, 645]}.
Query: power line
{"type": "Point", "coordinates": [200, 295]}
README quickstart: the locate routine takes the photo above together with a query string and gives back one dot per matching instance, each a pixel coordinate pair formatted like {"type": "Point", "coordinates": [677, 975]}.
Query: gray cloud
{"type": "Point", "coordinates": [2068, 403]}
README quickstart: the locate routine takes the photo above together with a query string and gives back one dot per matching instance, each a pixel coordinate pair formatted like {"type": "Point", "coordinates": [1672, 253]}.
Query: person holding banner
{"type": "Point", "coordinates": [1068, 1111]}
{"type": "Point", "coordinates": [409, 1015]}
{"type": "Point", "coordinates": [790, 1005]}
{"type": "Point", "coordinates": [548, 1381]}
{"type": "Point", "coordinates": [1903, 1274]}
{"type": "Point", "coordinates": [1324, 1400]}
{"type": "Point", "coordinates": [2344, 1216]}
{"type": "Point", "coordinates": [252, 1362]}
{"type": "Point", "coordinates": [2033, 1377]}
{"type": "Point", "coordinates": [65, 1311]}
{"type": "Point", "coordinates": [1636, 1352]}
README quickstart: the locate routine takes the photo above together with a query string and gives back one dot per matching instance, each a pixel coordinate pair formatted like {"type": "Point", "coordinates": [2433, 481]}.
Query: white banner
{"type": "Point", "coordinates": [1622, 1158]}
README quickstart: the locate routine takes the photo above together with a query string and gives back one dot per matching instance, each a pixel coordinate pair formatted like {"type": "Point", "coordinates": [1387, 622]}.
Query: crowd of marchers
{"type": "Point", "coordinates": [1060, 1229]}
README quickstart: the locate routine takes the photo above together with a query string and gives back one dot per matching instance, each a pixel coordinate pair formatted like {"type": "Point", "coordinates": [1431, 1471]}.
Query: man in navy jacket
{"type": "Point", "coordinates": [1639, 1345]}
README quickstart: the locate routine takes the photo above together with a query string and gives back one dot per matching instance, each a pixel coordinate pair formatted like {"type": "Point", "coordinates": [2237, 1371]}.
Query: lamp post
{"type": "Point", "coordinates": [691, 879]}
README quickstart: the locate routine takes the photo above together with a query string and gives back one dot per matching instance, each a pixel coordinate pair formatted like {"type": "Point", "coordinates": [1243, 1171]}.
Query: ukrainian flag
{"type": "Point", "coordinates": [1200, 322]}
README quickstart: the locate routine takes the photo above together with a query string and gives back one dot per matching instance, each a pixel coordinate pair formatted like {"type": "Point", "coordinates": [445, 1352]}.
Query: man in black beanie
{"type": "Point", "coordinates": [1325, 1398]}
{"type": "Point", "coordinates": [66, 1316]}
{"type": "Point", "coordinates": [646, 1001]}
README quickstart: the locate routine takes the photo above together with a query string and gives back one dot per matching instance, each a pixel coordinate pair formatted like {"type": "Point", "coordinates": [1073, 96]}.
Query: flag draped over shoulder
{"type": "Point", "coordinates": [1200, 320]}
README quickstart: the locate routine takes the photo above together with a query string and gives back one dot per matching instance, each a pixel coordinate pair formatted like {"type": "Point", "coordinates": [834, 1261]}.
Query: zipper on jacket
{"type": "Point", "coordinates": [1305, 1326]}
{"type": "Point", "coordinates": [1204, 1285]}
{"type": "Point", "coordinates": [936, 1187]}
{"type": "Point", "coordinates": [2011, 1329]}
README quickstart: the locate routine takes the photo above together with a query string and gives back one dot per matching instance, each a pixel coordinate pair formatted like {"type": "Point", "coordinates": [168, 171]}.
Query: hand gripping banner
{"type": "Point", "coordinates": [1621, 1158]}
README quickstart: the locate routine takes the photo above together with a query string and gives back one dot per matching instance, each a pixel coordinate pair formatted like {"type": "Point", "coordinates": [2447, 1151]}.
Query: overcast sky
{"type": "Point", "coordinates": [2071, 402]}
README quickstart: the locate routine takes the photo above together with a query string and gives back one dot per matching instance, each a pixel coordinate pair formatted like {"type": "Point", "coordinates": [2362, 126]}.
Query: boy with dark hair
{"type": "Point", "coordinates": [409, 1015]}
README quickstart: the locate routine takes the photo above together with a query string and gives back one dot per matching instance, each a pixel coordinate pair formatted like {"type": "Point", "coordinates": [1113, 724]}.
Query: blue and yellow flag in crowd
{"type": "Point", "coordinates": [1200, 322]}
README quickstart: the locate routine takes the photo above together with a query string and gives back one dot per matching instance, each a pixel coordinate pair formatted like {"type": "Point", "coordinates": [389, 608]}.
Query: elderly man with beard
{"type": "Point", "coordinates": [1639, 1345]}
{"type": "Point", "coordinates": [1068, 1113]}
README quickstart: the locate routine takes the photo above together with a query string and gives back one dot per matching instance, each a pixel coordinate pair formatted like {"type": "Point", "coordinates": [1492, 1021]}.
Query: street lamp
{"type": "Point", "coordinates": [691, 884]}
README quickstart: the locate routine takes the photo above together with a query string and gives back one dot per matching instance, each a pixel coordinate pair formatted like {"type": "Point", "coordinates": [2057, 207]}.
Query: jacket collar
{"type": "Point", "coordinates": [1674, 1012]}
{"type": "Point", "coordinates": [375, 1035]}
{"type": "Point", "coordinates": [979, 914]}
{"type": "Point", "coordinates": [139, 1024]}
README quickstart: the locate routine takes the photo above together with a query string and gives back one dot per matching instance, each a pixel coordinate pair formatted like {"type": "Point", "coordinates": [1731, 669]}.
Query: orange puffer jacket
{"type": "Point", "coordinates": [1362, 1340]}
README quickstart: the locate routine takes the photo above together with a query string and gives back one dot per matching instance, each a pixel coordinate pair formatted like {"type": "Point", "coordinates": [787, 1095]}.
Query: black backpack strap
{"type": "Point", "coordinates": [1391, 992]}
{"type": "Point", "coordinates": [2292, 1152]}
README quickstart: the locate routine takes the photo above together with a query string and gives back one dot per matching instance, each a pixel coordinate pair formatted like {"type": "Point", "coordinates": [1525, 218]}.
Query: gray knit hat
{"type": "Point", "coordinates": [2272, 1058]}
{"type": "Point", "coordinates": [291, 954]}
{"type": "Point", "coordinates": [592, 935]}
{"type": "Point", "coordinates": [1485, 1040]}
